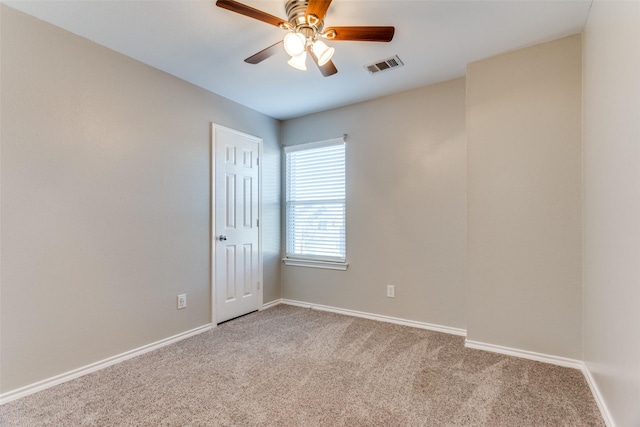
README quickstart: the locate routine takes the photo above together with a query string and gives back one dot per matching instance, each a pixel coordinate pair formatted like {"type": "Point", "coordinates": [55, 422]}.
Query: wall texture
{"type": "Point", "coordinates": [105, 175]}
{"type": "Point", "coordinates": [406, 206]}
{"type": "Point", "coordinates": [524, 199]}
{"type": "Point", "coordinates": [611, 206]}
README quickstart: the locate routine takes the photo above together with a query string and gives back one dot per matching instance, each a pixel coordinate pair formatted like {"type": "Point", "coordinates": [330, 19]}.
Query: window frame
{"type": "Point", "coordinates": [312, 261]}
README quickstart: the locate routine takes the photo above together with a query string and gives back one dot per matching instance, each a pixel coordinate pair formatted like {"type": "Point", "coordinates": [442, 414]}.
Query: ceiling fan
{"type": "Point", "coordinates": [306, 32]}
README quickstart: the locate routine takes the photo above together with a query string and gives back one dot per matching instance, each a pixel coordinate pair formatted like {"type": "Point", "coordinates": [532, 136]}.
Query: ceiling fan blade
{"type": "Point", "coordinates": [327, 69]}
{"type": "Point", "coordinates": [317, 8]}
{"type": "Point", "coordinates": [264, 54]}
{"type": "Point", "coordinates": [251, 12]}
{"type": "Point", "coordinates": [362, 34]}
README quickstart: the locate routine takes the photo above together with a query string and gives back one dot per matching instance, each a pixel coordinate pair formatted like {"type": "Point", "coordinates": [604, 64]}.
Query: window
{"type": "Point", "coordinates": [315, 205]}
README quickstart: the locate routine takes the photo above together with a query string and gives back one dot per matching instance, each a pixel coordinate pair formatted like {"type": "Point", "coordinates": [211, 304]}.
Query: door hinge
{"type": "Point", "coordinates": [257, 222]}
{"type": "Point", "coordinates": [258, 161]}
{"type": "Point", "coordinates": [258, 285]}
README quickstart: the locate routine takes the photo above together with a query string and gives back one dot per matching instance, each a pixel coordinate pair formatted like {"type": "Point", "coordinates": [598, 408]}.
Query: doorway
{"type": "Point", "coordinates": [236, 251]}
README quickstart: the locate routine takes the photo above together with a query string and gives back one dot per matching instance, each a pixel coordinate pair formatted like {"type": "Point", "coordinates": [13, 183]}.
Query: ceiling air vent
{"type": "Point", "coordinates": [384, 65]}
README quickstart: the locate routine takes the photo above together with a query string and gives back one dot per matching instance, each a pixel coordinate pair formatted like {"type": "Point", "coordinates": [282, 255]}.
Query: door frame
{"type": "Point", "coordinates": [212, 218]}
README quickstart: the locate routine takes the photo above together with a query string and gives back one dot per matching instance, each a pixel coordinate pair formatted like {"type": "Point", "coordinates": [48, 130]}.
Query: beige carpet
{"type": "Point", "coordinates": [289, 366]}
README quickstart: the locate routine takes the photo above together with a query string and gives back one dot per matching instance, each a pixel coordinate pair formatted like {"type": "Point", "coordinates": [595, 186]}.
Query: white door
{"type": "Point", "coordinates": [236, 239]}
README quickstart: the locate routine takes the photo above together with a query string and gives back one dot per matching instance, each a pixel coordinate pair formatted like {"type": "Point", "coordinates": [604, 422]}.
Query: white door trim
{"type": "Point", "coordinates": [212, 219]}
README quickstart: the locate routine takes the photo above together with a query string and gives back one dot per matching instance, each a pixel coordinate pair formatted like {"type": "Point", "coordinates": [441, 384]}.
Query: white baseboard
{"type": "Point", "coordinates": [271, 304]}
{"type": "Point", "coordinates": [378, 317]}
{"type": "Point", "coordinates": [604, 410]}
{"type": "Point", "coordinates": [555, 360]}
{"type": "Point", "coordinates": [525, 354]}
{"type": "Point", "coordinates": [68, 376]}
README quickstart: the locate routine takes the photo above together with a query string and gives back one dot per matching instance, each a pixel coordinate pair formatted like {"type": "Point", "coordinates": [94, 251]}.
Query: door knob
{"type": "Point", "coordinates": [222, 237]}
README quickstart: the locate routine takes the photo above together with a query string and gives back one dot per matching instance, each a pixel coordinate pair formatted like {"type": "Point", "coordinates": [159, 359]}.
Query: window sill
{"type": "Point", "coordinates": [342, 266]}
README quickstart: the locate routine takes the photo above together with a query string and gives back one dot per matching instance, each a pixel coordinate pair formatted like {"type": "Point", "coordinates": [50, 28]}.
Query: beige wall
{"type": "Point", "coordinates": [524, 199]}
{"type": "Point", "coordinates": [406, 205]}
{"type": "Point", "coordinates": [105, 201]}
{"type": "Point", "coordinates": [611, 138]}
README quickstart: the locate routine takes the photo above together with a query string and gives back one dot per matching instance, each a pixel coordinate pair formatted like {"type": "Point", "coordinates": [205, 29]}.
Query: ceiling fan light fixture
{"type": "Point", "coordinates": [322, 52]}
{"type": "Point", "coordinates": [299, 61]}
{"type": "Point", "coordinates": [294, 43]}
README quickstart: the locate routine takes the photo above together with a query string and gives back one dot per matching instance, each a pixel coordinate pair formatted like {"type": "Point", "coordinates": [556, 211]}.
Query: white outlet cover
{"type": "Point", "coordinates": [182, 301]}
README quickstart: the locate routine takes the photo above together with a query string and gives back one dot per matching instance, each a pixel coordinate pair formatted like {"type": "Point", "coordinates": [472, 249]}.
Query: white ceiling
{"type": "Point", "coordinates": [206, 45]}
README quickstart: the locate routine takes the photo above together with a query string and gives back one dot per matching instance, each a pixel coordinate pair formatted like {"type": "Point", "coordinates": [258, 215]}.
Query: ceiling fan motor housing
{"type": "Point", "coordinates": [296, 14]}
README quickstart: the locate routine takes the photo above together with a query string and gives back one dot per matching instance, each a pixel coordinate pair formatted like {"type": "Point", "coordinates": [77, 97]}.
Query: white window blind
{"type": "Point", "coordinates": [315, 201]}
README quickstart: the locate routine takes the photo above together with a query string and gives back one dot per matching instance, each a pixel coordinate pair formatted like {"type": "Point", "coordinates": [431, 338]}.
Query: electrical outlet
{"type": "Point", "coordinates": [182, 301]}
{"type": "Point", "coordinates": [391, 291]}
